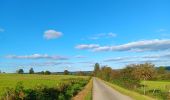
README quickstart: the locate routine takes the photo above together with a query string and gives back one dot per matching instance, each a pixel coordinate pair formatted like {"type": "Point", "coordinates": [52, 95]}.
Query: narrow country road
{"type": "Point", "coordinates": [101, 91]}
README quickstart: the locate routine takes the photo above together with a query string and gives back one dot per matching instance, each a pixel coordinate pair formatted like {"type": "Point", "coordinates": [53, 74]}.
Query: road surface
{"type": "Point", "coordinates": [101, 91]}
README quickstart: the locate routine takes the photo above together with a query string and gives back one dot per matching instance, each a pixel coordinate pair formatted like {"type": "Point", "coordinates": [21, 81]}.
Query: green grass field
{"type": "Point", "coordinates": [161, 85]}
{"type": "Point", "coordinates": [30, 81]}
{"type": "Point", "coordinates": [156, 89]}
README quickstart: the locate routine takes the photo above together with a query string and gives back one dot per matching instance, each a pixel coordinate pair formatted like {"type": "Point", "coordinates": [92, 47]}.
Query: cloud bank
{"type": "Point", "coordinates": [137, 46]}
{"type": "Point", "coordinates": [36, 56]}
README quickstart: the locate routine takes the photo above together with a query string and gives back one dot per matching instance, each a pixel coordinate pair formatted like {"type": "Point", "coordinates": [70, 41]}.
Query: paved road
{"type": "Point", "coordinates": [101, 91]}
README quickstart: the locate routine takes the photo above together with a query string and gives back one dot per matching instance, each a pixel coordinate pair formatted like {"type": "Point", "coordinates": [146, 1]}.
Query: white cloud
{"type": "Point", "coordinates": [87, 46]}
{"type": "Point", "coordinates": [36, 56]}
{"type": "Point", "coordinates": [80, 56]}
{"type": "Point", "coordinates": [117, 59]}
{"type": "Point", "coordinates": [52, 34]}
{"type": "Point", "coordinates": [138, 46]}
{"type": "Point", "coordinates": [87, 62]}
{"type": "Point", "coordinates": [154, 58]}
{"type": "Point", "coordinates": [103, 35]}
{"type": "Point", "coordinates": [48, 63]}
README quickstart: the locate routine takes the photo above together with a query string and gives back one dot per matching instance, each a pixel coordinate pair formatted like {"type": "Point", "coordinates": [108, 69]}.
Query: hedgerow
{"type": "Point", "coordinates": [63, 91]}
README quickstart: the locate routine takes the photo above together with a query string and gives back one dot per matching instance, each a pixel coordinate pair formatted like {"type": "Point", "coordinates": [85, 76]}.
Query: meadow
{"type": "Point", "coordinates": [49, 81]}
{"type": "Point", "coordinates": [157, 89]}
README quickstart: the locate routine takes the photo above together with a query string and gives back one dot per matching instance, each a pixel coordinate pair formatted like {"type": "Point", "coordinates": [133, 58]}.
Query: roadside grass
{"type": "Point", "coordinates": [89, 94]}
{"type": "Point", "coordinates": [86, 93]}
{"type": "Point", "coordinates": [134, 95]}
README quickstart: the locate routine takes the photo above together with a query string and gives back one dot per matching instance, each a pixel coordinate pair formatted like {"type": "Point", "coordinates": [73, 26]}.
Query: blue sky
{"type": "Point", "coordinates": [74, 34]}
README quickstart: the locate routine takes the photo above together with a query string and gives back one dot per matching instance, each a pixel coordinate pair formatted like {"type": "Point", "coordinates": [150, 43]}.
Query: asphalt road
{"type": "Point", "coordinates": [101, 91]}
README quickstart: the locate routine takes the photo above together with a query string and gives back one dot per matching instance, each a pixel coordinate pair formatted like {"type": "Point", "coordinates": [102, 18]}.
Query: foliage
{"type": "Point", "coordinates": [32, 80]}
{"type": "Point", "coordinates": [66, 72]}
{"type": "Point", "coordinates": [96, 69]}
{"type": "Point", "coordinates": [20, 71]}
{"type": "Point", "coordinates": [161, 70]}
{"type": "Point", "coordinates": [47, 72]}
{"type": "Point", "coordinates": [132, 75]}
{"type": "Point", "coordinates": [80, 73]}
{"type": "Point", "coordinates": [63, 91]}
{"type": "Point", "coordinates": [31, 71]}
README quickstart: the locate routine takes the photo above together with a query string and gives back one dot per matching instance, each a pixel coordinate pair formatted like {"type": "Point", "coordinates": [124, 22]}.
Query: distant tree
{"type": "Point", "coordinates": [81, 73]}
{"type": "Point", "coordinates": [66, 72]}
{"type": "Point", "coordinates": [161, 70]}
{"type": "Point", "coordinates": [0, 71]}
{"type": "Point", "coordinates": [96, 69]}
{"type": "Point", "coordinates": [47, 72]}
{"type": "Point", "coordinates": [31, 71]}
{"type": "Point", "coordinates": [42, 72]}
{"type": "Point", "coordinates": [106, 73]}
{"type": "Point", "coordinates": [20, 71]}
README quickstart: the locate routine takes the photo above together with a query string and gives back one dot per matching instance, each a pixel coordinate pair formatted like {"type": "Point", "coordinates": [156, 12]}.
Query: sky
{"type": "Point", "coordinates": [56, 35]}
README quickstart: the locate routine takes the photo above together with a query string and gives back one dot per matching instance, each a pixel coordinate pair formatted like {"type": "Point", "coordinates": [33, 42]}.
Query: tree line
{"type": "Point", "coordinates": [131, 76]}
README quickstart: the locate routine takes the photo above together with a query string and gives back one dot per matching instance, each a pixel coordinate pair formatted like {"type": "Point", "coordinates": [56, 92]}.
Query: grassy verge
{"type": "Point", "coordinates": [86, 93]}
{"type": "Point", "coordinates": [134, 95]}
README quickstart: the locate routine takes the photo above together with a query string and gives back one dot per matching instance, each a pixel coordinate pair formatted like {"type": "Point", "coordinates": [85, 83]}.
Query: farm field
{"type": "Point", "coordinates": [158, 89]}
{"type": "Point", "coordinates": [161, 85]}
{"type": "Point", "coordinates": [31, 81]}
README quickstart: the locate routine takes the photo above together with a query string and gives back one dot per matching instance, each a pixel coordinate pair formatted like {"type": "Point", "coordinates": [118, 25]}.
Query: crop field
{"type": "Point", "coordinates": [49, 81]}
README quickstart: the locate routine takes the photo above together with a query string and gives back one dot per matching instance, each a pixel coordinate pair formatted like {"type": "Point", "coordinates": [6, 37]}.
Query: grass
{"type": "Point", "coordinates": [88, 96]}
{"type": "Point", "coordinates": [30, 81]}
{"type": "Point", "coordinates": [161, 85]}
{"type": "Point", "coordinates": [86, 93]}
{"type": "Point", "coordinates": [157, 89]}
{"type": "Point", "coordinates": [134, 95]}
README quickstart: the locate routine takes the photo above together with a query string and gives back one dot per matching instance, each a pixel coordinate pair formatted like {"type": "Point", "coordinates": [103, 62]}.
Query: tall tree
{"type": "Point", "coordinates": [96, 69]}
{"type": "Point", "coordinates": [31, 71]}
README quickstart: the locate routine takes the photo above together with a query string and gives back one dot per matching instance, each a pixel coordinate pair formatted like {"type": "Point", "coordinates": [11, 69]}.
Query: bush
{"type": "Point", "coordinates": [64, 91]}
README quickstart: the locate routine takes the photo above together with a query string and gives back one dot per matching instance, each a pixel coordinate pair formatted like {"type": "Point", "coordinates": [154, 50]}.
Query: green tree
{"type": "Point", "coordinates": [106, 73]}
{"type": "Point", "coordinates": [161, 70]}
{"type": "Point", "coordinates": [96, 69]}
{"type": "Point", "coordinates": [20, 71]}
{"type": "Point", "coordinates": [47, 72]}
{"type": "Point", "coordinates": [31, 71]}
{"type": "Point", "coordinates": [66, 72]}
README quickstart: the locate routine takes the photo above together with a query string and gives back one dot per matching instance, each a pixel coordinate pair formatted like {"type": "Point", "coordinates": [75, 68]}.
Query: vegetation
{"type": "Point", "coordinates": [86, 93]}
{"type": "Point", "coordinates": [31, 71]}
{"type": "Point", "coordinates": [66, 72]}
{"type": "Point", "coordinates": [47, 72]}
{"type": "Point", "coordinates": [138, 78]}
{"type": "Point", "coordinates": [20, 71]}
{"type": "Point", "coordinates": [41, 87]}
